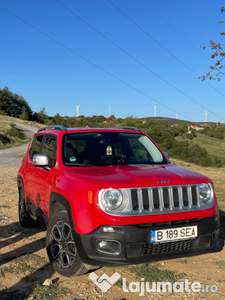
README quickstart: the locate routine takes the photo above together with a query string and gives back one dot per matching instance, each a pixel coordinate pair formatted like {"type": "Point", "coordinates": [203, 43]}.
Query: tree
{"type": "Point", "coordinates": [218, 69]}
{"type": "Point", "coordinates": [58, 120]}
{"type": "Point", "coordinates": [13, 104]}
{"type": "Point", "coordinates": [24, 114]}
{"type": "Point", "coordinates": [42, 115]}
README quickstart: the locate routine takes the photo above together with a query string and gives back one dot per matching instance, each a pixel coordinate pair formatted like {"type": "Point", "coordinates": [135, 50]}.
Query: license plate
{"type": "Point", "coordinates": [174, 234]}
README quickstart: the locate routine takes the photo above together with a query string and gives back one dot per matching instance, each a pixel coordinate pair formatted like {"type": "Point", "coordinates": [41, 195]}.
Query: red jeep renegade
{"type": "Point", "coordinates": [111, 197]}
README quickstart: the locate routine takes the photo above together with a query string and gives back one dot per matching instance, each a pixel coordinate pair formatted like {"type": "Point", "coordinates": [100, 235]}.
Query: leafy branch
{"type": "Point", "coordinates": [218, 69]}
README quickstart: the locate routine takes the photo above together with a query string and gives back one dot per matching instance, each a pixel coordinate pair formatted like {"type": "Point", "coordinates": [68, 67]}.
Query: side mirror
{"type": "Point", "coordinates": [40, 160]}
{"type": "Point", "coordinates": [166, 154]}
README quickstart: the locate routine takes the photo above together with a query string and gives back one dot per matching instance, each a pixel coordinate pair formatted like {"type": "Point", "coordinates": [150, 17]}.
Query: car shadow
{"type": "Point", "coordinates": [9, 236]}
{"type": "Point", "coordinates": [14, 232]}
{"type": "Point", "coordinates": [25, 287]}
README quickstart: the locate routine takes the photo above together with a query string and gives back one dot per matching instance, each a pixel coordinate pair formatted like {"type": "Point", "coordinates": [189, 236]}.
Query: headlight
{"type": "Point", "coordinates": [205, 192]}
{"type": "Point", "coordinates": [111, 199]}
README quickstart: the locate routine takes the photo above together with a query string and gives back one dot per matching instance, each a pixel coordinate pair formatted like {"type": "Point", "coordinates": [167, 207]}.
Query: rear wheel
{"type": "Point", "coordinates": [61, 247]}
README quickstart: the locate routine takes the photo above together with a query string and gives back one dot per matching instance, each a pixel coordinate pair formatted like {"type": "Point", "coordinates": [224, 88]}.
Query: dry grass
{"type": "Point", "coordinates": [4, 126]}
{"type": "Point", "coordinates": [214, 146]}
{"type": "Point", "coordinates": [3, 119]}
{"type": "Point", "coordinates": [216, 174]}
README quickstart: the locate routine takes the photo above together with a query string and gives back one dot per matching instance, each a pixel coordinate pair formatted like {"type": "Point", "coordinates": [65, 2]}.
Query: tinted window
{"type": "Point", "coordinates": [36, 146]}
{"type": "Point", "coordinates": [140, 153]}
{"type": "Point", "coordinates": [49, 148]}
{"type": "Point", "coordinates": [110, 148]}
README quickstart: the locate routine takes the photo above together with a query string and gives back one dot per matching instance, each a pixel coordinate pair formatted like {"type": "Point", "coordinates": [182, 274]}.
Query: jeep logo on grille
{"type": "Point", "coordinates": [163, 181]}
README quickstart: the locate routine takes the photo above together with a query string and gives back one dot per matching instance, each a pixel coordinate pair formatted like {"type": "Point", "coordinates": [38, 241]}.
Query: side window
{"type": "Point", "coordinates": [49, 149]}
{"type": "Point", "coordinates": [36, 146]}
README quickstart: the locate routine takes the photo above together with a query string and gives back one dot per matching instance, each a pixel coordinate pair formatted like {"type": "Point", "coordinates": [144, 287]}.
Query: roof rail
{"type": "Point", "coordinates": [128, 128]}
{"type": "Point", "coordinates": [55, 127]}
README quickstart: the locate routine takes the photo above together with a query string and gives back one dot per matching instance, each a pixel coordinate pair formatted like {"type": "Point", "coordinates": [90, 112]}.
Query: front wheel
{"type": "Point", "coordinates": [61, 247]}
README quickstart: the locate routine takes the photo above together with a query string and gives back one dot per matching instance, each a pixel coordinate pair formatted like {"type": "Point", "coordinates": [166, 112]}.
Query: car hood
{"type": "Point", "coordinates": [126, 176]}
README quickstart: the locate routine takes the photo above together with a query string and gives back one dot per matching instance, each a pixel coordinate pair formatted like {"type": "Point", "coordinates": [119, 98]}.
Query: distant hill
{"type": "Point", "coordinates": [173, 120]}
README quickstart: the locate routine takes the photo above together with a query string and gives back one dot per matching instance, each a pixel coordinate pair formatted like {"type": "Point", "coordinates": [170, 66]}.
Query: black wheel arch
{"type": "Point", "coordinates": [60, 203]}
{"type": "Point", "coordinates": [20, 182]}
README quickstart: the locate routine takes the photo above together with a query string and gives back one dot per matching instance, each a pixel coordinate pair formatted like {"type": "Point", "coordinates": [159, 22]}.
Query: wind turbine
{"type": "Point", "coordinates": [110, 110]}
{"type": "Point", "coordinates": [78, 109]}
{"type": "Point", "coordinates": [154, 110]}
{"type": "Point", "coordinates": [205, 114]}
{"type": "Point", "coordinates": [177, 116]}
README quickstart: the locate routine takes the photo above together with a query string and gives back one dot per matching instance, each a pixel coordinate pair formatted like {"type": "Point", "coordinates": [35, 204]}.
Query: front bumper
{"type": "Point", "coordinates": [130, 244]}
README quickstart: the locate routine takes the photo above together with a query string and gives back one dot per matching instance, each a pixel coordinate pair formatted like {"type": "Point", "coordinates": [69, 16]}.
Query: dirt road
{"type": "Point", "coordinates": [24, 265]}
{"type": "Point", "coordinates": [13, 156]}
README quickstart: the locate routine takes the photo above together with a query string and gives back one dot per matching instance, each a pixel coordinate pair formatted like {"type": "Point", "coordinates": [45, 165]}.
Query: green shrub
{"type": "Point", "coordinates": [196, 154]}
{"type": "Point", "coordinates": [13, 131]}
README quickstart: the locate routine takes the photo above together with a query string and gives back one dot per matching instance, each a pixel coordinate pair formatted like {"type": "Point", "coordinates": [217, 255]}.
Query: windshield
{"type": "Point", "coordinates": [110, 148]}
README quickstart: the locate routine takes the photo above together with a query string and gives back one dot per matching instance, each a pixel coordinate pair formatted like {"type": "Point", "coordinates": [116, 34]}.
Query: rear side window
{"type": "Point", "coordinates": [36, 146]}
{"type": "Point", "coordinates": [44, 144]}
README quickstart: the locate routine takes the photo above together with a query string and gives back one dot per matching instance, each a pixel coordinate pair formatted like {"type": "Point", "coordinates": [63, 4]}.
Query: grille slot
{"type": "Point", "coordinates": [160, 199]}
{"type": "Point", "coordinates": [185, 195]}
{"type": "Point", "coordinates": [194, 195]}
{"type": "Point", "coordinates": [166, 199]}
{"type": "Point", "coordinates": [134, 197]}
{"type": "Point", "coordinates": [155, 194]}
{"type": "Point", "coordinates": [151, 249]}
{"type": "Point", "coordinates": [176, 197]}
{"type": "Point", "coordinates": [145, 199]}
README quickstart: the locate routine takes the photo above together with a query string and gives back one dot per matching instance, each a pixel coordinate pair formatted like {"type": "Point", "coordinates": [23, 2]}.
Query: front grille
{"type": "Point", "coordinates": [151, 248]}
{"type": "Point", "coordinates": [160, 199]}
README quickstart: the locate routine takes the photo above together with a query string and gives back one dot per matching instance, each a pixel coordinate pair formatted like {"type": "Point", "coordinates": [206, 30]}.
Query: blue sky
{"type": "Point", "coordinates": [150, 55]}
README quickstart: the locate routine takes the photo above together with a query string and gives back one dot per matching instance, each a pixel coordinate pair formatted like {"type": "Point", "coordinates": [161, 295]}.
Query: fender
{"type": "Point", "coordinates": [59, 203]}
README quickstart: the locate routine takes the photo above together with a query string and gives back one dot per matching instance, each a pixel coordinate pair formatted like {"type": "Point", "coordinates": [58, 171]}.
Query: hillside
{"type": "Point", "coordinates": [213, 145]}
{"type": "Point", "coordinates": [10, 136]}
{"type": "Point", "coordinates": [173, 120]}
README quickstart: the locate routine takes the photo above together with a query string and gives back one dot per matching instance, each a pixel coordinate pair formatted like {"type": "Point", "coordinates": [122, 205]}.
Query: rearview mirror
{"type": "Point", "coordinates": [40, 160]}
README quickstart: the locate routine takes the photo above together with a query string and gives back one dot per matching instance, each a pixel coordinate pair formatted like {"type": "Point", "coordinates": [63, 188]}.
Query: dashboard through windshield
{"type": "Point", "coordinates": [110, 148]}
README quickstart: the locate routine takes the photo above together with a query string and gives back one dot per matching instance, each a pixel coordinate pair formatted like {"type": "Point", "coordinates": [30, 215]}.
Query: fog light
{"type": "Point", "coordinates": [102, 244]}
{"type": "Point", "coordinates": [109, 247]}
{"type": "Point", "coordinates": [108, 229]}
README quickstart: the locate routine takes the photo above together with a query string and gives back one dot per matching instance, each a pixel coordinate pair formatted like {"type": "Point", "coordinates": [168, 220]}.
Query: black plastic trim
{"type": "Point", "coordinates": [54, 127]}
{"type": "Point", "coordinates": [134, 241]}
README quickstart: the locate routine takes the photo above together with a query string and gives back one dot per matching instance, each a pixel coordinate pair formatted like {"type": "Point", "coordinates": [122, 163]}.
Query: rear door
{"type": "Point", "coordinates": [30, 174]}
{"type": "Point", "coordinates": [45, 176]}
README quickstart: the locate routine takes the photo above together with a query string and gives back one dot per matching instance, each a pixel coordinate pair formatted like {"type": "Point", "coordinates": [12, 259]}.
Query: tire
{"type": "Point", "coordinates": [61, 247]}
{"type": "Point", "coordinates": [24, 217]}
